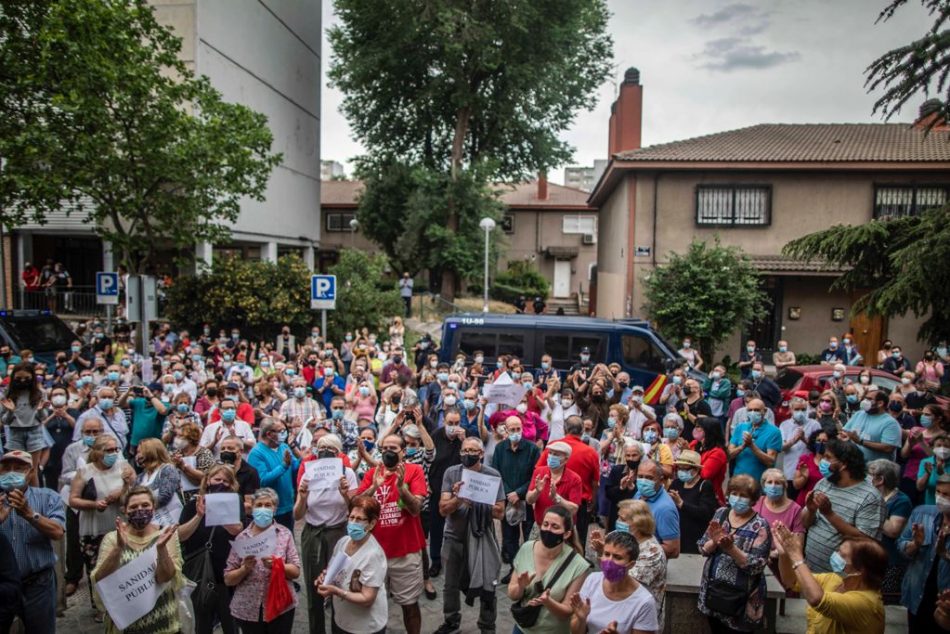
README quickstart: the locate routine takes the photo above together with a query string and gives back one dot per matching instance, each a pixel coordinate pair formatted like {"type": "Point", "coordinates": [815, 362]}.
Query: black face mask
{"type": "Point", "coordinates": [687, 390]}
{"type": "Point", "coordinates": [396, 399]}
{"type": "Point", "coordinates": [23, 384]}
{"type": "Point", "coordinates": [834, 477]}
{"type": "Point", "coordinates": [397, 359]}
{"type": "Point", "coordinates": [212, 392]}
{"type": "Point", "coordinates": [326, 453]}
{"type": "Point", "coordinates": [551, 539]}
{"type": "Point", "coordinates": [312, 362]}
{"type": "Point", "coordinates": [469, 460]}
{"type": "Point", "coordinates": [228, 457]}
{"type": "Point", "coordinates": [390, 459]}
{"type": "Point", "coordinates": [633, 464]}
{"type": "Point", "coordinates": [895, 406]}
{"type": "Point", "coordinates": [622, 385]}
{"type": "Point", "coordinates": [598, 398]}
{"type": "Point", "coordinates": [221, 487]}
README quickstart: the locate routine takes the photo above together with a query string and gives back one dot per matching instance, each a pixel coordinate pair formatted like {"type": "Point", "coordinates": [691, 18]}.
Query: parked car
{"type": "Point", "coordinates": [38, 330]}
{"type": "Point", "coordinates": [799, 380]}
{"type": "Point", "coordinates": [632, 343]}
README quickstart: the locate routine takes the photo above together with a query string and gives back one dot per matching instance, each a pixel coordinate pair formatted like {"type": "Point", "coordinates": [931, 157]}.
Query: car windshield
{"type": "Point", "coordinates": [788, 378]}
{"type": "Point", "coordinates": [38, 333]}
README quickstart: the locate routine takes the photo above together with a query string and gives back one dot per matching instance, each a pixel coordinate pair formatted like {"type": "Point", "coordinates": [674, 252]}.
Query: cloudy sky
{"type": "Point", "coordinates": [712, 65]}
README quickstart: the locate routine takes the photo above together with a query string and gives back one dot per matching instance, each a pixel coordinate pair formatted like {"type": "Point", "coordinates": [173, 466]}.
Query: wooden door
{"type": "Point", "coordinates": [868, 334]}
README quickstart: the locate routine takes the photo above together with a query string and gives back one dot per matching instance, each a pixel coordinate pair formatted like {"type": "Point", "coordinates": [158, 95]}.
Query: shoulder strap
{"type": "Point", "coordinates": [557, 574]}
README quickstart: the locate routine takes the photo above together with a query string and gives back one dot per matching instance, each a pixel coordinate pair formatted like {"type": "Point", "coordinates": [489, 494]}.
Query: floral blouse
{"type": "Point", "coordinates": [754, 538]}
{"type": "Point", "coordinates": [249, 595]}
{"type": "Point", "coordinates": [650, 571]}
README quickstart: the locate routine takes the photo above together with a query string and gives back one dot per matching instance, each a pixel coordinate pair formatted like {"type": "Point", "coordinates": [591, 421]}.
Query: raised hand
{"type": "Point", "coordinates": [524, 580]}
{"type": "Point", "coordinates": [714, 530]}
{"type": "Point", "coordinates": [121, 533]}
{"type": "Point", "coordinates": [597, 540]}
{"type": "Point", "coordinates": [610, 629]}
{"type": "Point", "coordinates": [166, 534]}
{"type": "Point", "coordinates": [288, 458]}
{"type": "Point", "coordinates": [379, 476]}
{"type": "Point", "coordinates": [677, 500]}
{"type": "Point", "coordinates": [580, 607]}
{"type": "Point", "coordinates": [823, 503]}
{"type": "Point", "coordinates": [810, 502]}
{"type": "Point", "coordinates": [249, 562]}
{"type": "Point", "coordinates": [542, 599]}
{"type": "Point", "coordinates": [917, 534]}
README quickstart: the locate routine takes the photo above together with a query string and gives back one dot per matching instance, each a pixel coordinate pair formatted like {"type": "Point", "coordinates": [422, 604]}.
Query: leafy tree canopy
{"type": "Point", "coordinates": [363, 300]}
{"type": "Point", "coordinates": [98, 111]}
{"type": "Point", "coordinates": [706, 293]}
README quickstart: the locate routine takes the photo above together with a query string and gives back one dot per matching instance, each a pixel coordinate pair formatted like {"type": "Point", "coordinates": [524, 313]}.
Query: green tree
{"type": "Point", "coordinates": [455, 85]}
{"type": "Point", "coordinates": [257, 296]}
{"type": "Point", "coordinates": [916, 68]}
{"type": "Point", "coordinates": [706, 293]}
{"type": "Point", "coordinates": [896, 262]}
{"type": "Point", "coordinates": [363, 300]}
{"type": "Point", "coordinates": [99, 111]}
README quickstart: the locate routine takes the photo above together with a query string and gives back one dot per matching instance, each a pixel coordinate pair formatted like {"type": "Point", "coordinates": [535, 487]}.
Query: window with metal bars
{"type": "Point", "coordinates": [733, 205]}
{"type": "Point", "coordinates": [895, 201]}
{"type": "Point", "coordinates": [339, 222]}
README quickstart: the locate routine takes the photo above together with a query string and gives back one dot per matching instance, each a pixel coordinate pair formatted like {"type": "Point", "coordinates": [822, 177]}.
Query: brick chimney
{"type": "Point", "coordinates": [626, 115]}
{"type": "Point", "coordinates": [542, 186]}
{"type": "Point", "coordinates": [931, 115]}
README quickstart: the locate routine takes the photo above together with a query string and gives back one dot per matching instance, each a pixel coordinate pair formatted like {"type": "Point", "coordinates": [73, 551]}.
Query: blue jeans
{"type": "Point", "coordinates": [37, 608]}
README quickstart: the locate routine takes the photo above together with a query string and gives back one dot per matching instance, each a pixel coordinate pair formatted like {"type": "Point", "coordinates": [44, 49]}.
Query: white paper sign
{"type": "Point", "coordinates": [222, 509]}
{"type": "Point", "coordinates": [186, 484]}
{"type": "Point", "coordinates": [131, 592]}
{"type": "Point", "coordinates": [479, 488]}
{"type": "Point", "coordinates": [262, 545]}
{"type": "Point", "coordinates": [323, 473]}
{"type": "Point", "coordinates": [504, 391]}
{"type": "Point", "coordinates": [336, 566]}
{"type": "Point", "coordinates": [170, 513]}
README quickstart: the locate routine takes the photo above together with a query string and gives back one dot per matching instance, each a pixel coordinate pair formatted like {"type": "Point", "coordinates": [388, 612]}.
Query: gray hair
{"type": "Point", "coordinates": [797, 400]}
{"type": "Point", "coordinates": [476, 440]}
{"type": "Point", "coordinates": [574, 425]}
{"type": "Point", "coordinates": [92, 419]}
{"type": "Point", "coordinates": [265, 492]}
{"type": "Point", "coordinates": [673, 416]}
{"type": "Point", "coordinates": [770, 473]}
{"type": "Point", "coordinates": [646, 462]}
{"type": "Point", "coordinates": [889, 471]}
{"type": "Point", "coordinates": [267, 424]}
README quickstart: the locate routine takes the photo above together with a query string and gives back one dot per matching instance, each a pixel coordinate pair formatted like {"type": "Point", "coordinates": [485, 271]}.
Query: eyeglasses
{"type": "Point", "coordinates": [112, 450]}
{"type": "Point", "coordinates": [470, 452]}
{"type": "Point", "coordinates": [92, 432]}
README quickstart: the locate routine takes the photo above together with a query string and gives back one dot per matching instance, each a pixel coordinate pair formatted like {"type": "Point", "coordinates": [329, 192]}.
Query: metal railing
{"type": "Point", "coordinates": [436, 305]}
{"type": "Point", "coordinates": [75, 300]}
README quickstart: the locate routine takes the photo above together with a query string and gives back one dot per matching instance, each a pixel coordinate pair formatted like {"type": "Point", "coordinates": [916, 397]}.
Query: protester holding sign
{"type": "Point", "coordinates": [161, 476]}
{"type": "Point", "coordinates": [196, 536]}
{"type": "Point", "coordinates": [250, 575]}
{"type": "Point", "coordinates": [323, 498]}
{"type": "Point", "coordinates": [358, 605]}
{"type": "Point", "coordinates": [120, 547]}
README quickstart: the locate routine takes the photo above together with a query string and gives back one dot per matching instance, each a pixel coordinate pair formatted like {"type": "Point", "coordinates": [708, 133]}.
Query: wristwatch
{"type": "Point", "coordinates": [797, 564]}
{"type": "Point", "coordinates": [36, 516]}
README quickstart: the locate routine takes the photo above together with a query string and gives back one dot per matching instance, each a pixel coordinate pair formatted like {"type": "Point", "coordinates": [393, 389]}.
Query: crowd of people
{"type": "Point", "coordinates": [108, 454]}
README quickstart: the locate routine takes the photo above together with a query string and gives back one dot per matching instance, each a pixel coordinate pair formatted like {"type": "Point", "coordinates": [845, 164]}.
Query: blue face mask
{"type": "Point", "coordinates": [12, 480]}
{"type": "Point", "coordinates": [646, 487]}
{"type": "Point", "coordinates": [177, 374]}
{"type": "Point", "coordinates": [684, 475]}
{"type": "Point", "coordinates": [356, 531]}
{"type": "Point", "coordinates": [110, 459]}
{"type": "Point", "coordinates": [514, 437]}
{"type": "Point", "coordinates": [468, 403]}
{"type": "Point", "coordinates": [545, 365]}
{"type": "Point", "coordinates": [442, 377]}
{"type": "Point", "coordinates": [824, 467]}
{"type": "Point", "coordinates": [263, 516]}
{"type": "Point", "coordinates": [852, 398]}
{"type": "Point", "coordinates": [105, 404]}
{"type": "Point", "coordinates": [740, 393]}
{"type": "Point", "coordinates": [228, 415]}
{"type": "Point", "coordinates": [773, 491]}
{"type": "Point", "coordinates": [671, 433]}
{"type": "Point", "coordinates": [739, 504]}
{"type": "Point", "coordinates": [926, 420]}
{"type": "Point", "coordinates": [756, 374]}
{"type": "Point", "coordinates": [622, 527]}
{"type": "Point", "coordinates": [89, 441]}
{"type": "Point", "coordinates": [611, 422]}
{"type": "Point", "coordinates": [799, 416]}
{"type": "Point", "coordinates": [649, 436]}
{"type": "Point", "coordinates": [410, 452]}
{"type": "Point", "coordinates": [755, 417]}
{"type": "Point", "coordinates": [113, 376]}
{"type": "Point", "coordinates": [554, 462]}
{"type": "Point", "coordinates": [282, 436]}
{"type": "Point", "coordinates": [677, 379]}
{"type": "Point", "coordinates": [337, 414]}
{"type": "Point", "coordinates": [838, 564]}
{"type": "Point", "coordinates": [182, 408]}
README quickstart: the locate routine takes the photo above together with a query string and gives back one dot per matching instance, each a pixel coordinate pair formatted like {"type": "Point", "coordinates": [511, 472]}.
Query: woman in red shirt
{"type": "Point", "coordinates": [709, 441]}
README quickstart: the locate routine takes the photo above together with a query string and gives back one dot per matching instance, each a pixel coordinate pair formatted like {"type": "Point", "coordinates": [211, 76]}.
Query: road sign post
{"type": "Point", "coordinates": [323, 297]}
{"type": "Point", "coordinates": [107, 292]}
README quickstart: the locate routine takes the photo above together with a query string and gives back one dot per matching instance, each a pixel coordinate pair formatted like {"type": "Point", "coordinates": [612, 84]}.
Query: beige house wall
{"type": "Point", "coordinates": [801, 203]}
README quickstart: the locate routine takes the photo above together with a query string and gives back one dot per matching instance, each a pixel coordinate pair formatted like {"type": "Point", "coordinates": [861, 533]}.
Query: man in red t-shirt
{"type": "Point", "coordinates": [554, 483]}
{"type": "Point", "coordinates": [585, 462]}
{"type": "Point", "coordinates": [400, 489]}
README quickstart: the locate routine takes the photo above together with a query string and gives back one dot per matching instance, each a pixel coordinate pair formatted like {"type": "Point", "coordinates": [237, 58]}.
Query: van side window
{"type": "Point", "coordinates": [597, 352]}
{"type": "Point", "coordinates": [472, 340]}
{"type": "Point", "coordinates": [558, 346]}
{"type": "Point", "coordinates": [511, 345]}
{"type": "Point", "coordinates": [641, 353]}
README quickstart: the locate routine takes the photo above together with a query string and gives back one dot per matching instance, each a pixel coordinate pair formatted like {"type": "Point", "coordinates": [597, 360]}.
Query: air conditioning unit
{"type": "Point", "coordinates": [589, 238]}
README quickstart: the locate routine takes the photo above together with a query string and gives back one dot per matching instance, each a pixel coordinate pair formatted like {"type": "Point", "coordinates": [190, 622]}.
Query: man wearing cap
{"type": "Point", "coordinates": [243, 409]}
{"type": "Point", "coordinates": [31, 518]}
{"type": "Point", "coordinates": [640, 412]}
{"type": "Point", "coordinates": [554, 483]}
{"type": "Point", "coordinates": [695, 499]}
{"type": "Point", "coordinates": [325, 504]}
{"type": "Point", "coordinates": [585, 462]}
{"type": "Point", "coordinates": [581, 371]}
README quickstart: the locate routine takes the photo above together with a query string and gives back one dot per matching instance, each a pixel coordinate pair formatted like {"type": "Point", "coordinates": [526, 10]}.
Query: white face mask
{"type": "Point", "coordinates": [942, 452]}
{"type": "Point", "coordinates": [522, 408]}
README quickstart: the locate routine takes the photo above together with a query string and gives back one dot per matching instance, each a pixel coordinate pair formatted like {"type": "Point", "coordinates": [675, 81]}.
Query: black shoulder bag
{"type": "Point", "coordinates": [527, 615]}
{"type": "Point", "coordinates": [198, 567]}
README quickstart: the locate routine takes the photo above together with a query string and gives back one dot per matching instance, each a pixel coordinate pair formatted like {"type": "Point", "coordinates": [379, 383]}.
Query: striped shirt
{"type": "Point", "coordinates": [34, 551]}
{"type": "Point", "coordinates": [859, 505]}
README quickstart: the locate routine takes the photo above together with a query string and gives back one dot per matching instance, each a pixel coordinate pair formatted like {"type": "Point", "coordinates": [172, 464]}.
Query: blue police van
{"type": "Point", "coordinates": [632, 343]}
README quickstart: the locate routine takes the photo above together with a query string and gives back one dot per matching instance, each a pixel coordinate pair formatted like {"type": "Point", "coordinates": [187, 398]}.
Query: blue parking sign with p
{"type": "Point", "coordinates": [323, 292]}
{"type": "Point", "coordinates": [107, 288]}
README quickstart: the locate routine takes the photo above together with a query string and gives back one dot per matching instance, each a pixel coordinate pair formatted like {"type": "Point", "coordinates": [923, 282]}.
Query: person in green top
{"type": "Point", "coordinates": [148, 413]}
{"type": "Point", "coordinates": [535, 566]}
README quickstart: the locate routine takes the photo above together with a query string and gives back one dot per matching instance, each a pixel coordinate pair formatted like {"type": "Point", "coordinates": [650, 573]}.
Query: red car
{"type": "Point", "coordinates": [799, 380]}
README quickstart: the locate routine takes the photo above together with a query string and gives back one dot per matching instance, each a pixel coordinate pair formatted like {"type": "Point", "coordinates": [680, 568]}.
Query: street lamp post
{"type": "Point", "coordinates": [487, 224]}
{"type": "Point", "coordinates": [354, 225]}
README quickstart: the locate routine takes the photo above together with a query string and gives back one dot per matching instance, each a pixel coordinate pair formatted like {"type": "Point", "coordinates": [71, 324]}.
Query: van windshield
{"type": "Point", "coordinates": [38, 333]}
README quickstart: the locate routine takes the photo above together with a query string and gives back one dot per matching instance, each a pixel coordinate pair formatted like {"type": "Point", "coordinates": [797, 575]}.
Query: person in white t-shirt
{"type": "Point", "coordinates": [359, 599]}
{"type": "Point", "coordinates": [795, 434]}
{"type": "Point", "coordinates": [229, 425]}
{"type": "Point", "coordinates": [557, 409]}
{"type": "Point", "coordinates": [612, 600]}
